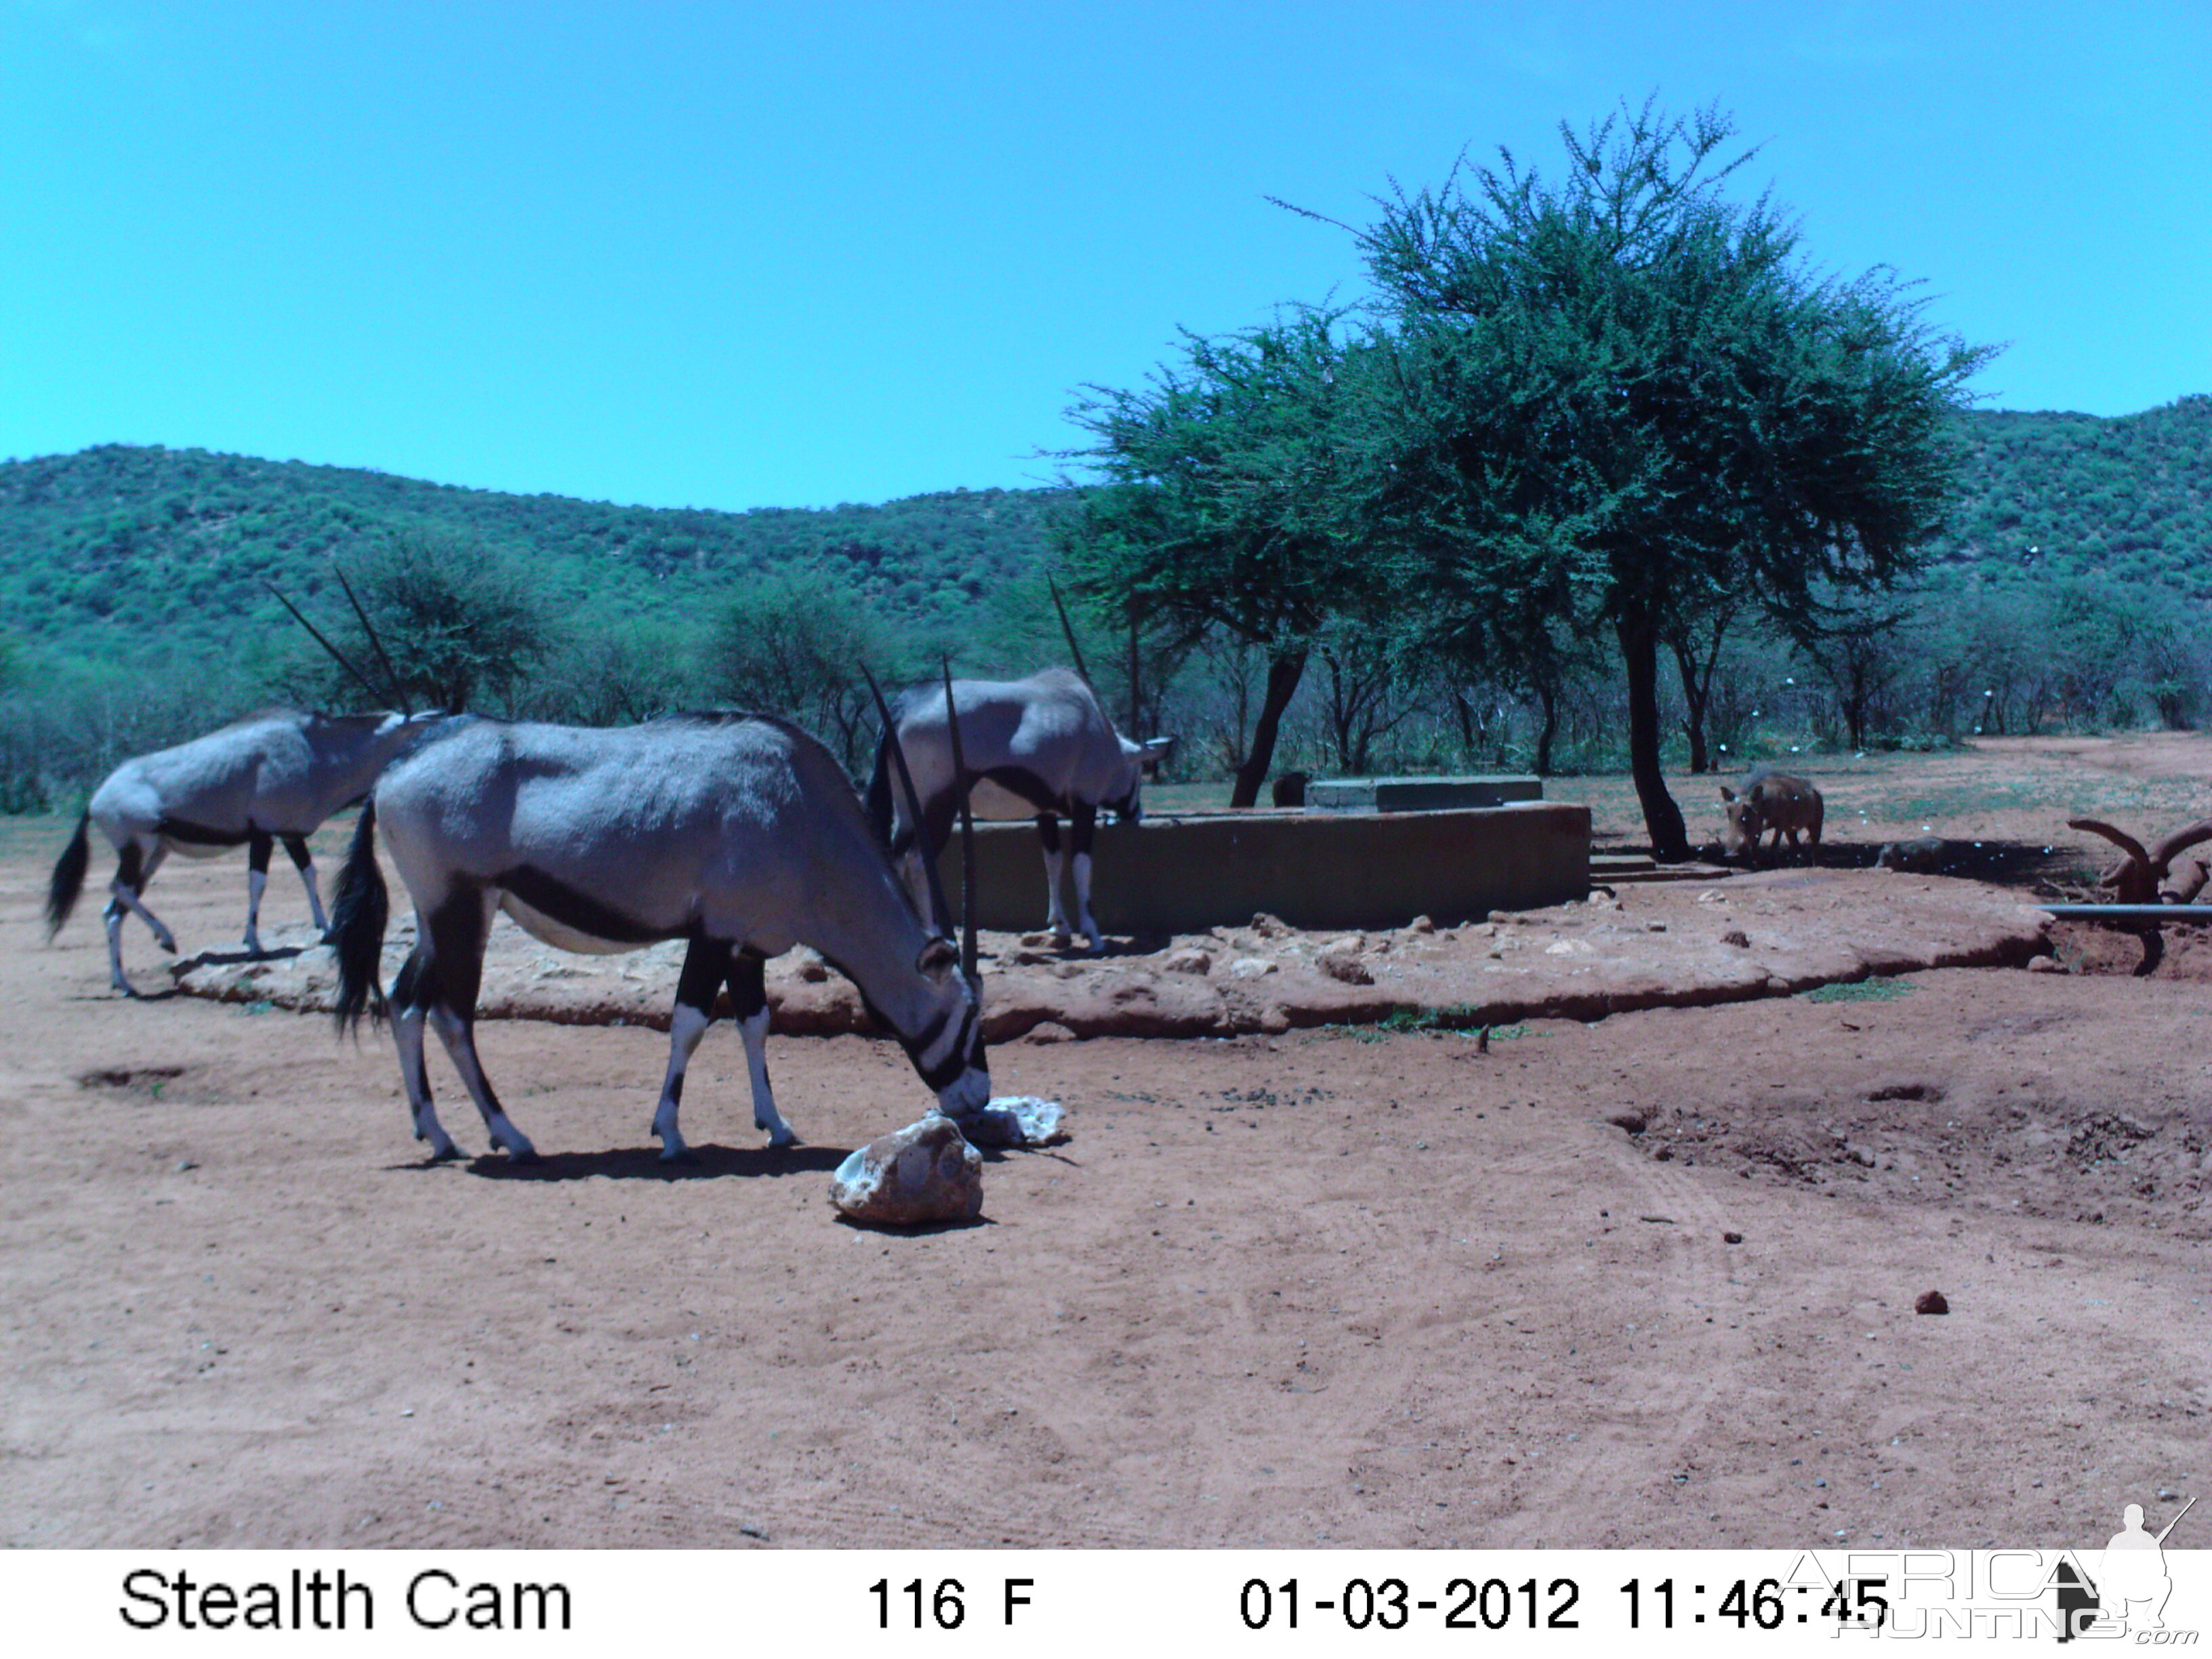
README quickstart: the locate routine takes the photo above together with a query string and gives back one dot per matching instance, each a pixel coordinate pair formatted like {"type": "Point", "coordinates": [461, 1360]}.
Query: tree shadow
{"type": "Point", "coordinates": [2032, 866]}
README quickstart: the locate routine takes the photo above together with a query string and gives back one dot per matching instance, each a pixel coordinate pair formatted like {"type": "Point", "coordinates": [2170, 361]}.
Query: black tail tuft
{"type": "Point", "coordinates": [359, 910]}
{"type": "Point", "coordinates": [68, 879]}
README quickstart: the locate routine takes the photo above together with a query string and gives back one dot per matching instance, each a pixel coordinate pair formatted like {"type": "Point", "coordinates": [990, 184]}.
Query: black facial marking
{"type": "Point", "coordinates": [579, 911]}
{"type": "Point", "coordinates": [957, 1058]}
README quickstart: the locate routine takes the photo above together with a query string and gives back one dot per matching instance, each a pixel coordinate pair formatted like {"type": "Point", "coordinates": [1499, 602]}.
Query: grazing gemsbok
{"type": "Point", "coordinates": [737, 832]}
{"type": "Point", "coordinates": [272, 776]}
{"type": "Point", "coordinates": [1039, 748]}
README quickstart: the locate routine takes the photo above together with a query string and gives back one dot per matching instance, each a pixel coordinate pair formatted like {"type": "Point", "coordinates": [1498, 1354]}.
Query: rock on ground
{"type": "Point", "coordinates": [925, 1172]}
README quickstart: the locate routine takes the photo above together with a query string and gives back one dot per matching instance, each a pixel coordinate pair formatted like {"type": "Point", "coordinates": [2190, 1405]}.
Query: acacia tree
{"type": "Point", "coordinates": [799, 643]}
{"type": "Point", "coordinates": [457, 620]}
{"type": "Point", "coordinates": [1228, 500]}
{"type": "Point", "coordinates": [1626, 395]}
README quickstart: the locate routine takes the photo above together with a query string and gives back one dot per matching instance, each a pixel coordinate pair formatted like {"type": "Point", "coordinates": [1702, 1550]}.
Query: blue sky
{"type": "Point", "coordinates": [740, 256]}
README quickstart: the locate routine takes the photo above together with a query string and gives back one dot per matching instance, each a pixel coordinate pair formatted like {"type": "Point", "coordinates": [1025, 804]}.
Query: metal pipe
{"type": "Point", "coordinates": [2129, 912]}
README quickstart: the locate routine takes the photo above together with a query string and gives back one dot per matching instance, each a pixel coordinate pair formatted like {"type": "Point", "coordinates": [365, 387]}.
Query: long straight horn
{"type": "Point", "coordinates": [1068, 628]}
{"type": "Point", "coordinates": [940, 913]}
{"type": "Point", "coordinates": [967, 838]}
{"type": "Point", "coordinates": [373, 693]}
{"type": "Point", "coordinates": [399, 689]}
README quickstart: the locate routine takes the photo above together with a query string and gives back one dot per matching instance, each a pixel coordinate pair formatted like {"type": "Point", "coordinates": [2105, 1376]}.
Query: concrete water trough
{"type": "Point", "coordinates": [1375, 869]}
{"type": "Point", "coordinates": [1419, 794]}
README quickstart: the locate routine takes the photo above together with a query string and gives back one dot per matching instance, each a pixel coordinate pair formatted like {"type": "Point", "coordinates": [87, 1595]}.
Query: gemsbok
{"type": "Point", "coordinates": [739, 833]}
{"type": "Point", "coordinates": [1040, 747]}
{"type": "Point", "coordinates": [272, 776]}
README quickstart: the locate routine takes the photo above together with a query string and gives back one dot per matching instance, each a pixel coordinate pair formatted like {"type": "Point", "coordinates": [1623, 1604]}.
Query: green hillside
{"type": "Point", "coordinates": [118, 550]}
{"type": "Point", "coordinates": [2129, 498]}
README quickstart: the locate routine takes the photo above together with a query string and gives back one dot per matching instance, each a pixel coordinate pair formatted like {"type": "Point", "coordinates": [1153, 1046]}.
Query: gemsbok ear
{"type": "Point", "coordinates": [1726, 793]}
{"type": "Point", "coordinates": [939, 958]}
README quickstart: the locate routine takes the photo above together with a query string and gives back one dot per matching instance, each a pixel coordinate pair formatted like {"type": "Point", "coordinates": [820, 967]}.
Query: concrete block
{"type": "Point", "coordinates": [1419, 794]}
{"type": "Point", "coordinates": [1314, 870]}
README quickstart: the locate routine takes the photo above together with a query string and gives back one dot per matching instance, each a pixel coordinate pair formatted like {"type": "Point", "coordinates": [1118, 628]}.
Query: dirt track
{"type": "Point", "coordinates": [1294, 1289]}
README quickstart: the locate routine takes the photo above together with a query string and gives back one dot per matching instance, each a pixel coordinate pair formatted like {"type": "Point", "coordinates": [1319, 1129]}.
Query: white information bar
{"type": "Point", "coordinates": [1029, 1603]}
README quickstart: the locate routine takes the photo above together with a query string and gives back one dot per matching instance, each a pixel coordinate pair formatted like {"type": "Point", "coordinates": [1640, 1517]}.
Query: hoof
{"type": "Point", "coordinates": [777, 1143]}
{"type": "Point", "coordinates": [679, 1153]}
{"type": "Point", "coordinates": [524, 1154]}
{"type": "Point", "coordinates": [444, 1154]}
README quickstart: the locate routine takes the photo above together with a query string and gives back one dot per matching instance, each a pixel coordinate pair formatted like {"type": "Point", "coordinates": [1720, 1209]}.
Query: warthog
{"type": "Point", "coordinates": [1770, 801]}
{"type": "Point", "coordinates": [1924, 856]}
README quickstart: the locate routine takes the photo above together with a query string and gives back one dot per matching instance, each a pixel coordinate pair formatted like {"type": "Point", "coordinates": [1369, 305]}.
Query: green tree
{"type": "Point", "coordinates": [794, 644]}
{"type": "Point", "coordinates": [1229, 503]}
{"type": "Point", "coordinates": [457, 619]}
{"type": "Point", "coordinates": [1626, 393]}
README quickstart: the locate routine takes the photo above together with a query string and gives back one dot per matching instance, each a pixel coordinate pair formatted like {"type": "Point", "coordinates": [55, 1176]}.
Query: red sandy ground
{"type": "Point", "coordinates": [1323, 1287]}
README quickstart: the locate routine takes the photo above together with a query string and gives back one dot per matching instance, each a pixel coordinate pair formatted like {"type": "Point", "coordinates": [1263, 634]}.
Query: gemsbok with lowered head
{"type": "Point", "coordinates": [1040, 747]}
{"type": "Point", "coordinates": [739, 833]}
{"type": "Point", "coordinates": [272, 776]}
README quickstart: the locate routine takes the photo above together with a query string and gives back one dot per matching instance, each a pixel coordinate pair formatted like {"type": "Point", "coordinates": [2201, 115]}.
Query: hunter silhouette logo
{"type": "Point", "coordinates": [2131, 1585]}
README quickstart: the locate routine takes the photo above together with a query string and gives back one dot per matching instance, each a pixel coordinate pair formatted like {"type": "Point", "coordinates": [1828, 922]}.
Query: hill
{"type": "Point", "coordinates": [104, 552]}
{"type": "Point", "coordinates": [2049, 495]}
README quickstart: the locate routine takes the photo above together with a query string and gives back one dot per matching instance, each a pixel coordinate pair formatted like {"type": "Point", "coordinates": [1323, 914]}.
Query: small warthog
{"type": "Point", "coordinates": [1769, 801]}
{"type": "Point", "coordinates": [1925, 856]}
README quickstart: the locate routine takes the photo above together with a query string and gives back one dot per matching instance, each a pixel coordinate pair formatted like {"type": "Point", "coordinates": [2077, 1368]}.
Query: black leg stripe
{"type": "Point", "coordinates": [705, 965]}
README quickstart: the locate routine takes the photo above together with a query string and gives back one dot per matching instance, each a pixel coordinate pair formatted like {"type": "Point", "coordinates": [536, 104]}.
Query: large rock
{"type": "Point", "coordinates": [925, 1172]}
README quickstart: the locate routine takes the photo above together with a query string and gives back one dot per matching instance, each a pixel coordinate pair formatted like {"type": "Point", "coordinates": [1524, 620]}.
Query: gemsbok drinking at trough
{"type": "Point", "coordinates": [272, 776]}
{"type": "Point", "coordinates": [1040, 747]}
{"type": "Point", "coordinates": [737, 833]}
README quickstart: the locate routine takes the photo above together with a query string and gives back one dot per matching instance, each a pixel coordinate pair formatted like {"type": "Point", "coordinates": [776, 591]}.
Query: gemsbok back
{"type": "Point", "coordinates": [1040, 747]}
{"type": "Point", "coordinates": [739, 833]}
{"type": "Point", "coordinates": [272, 776]}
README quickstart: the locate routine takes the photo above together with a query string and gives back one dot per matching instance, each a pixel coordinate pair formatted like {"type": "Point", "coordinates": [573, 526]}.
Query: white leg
{"type": "Point", "coordinates": [685, 1027]}
{"type": "Point", "coordinates": [461, 1045]}
{"type": "Point", "coordinates": [1083, 902]}
{"type": "Point", "coordinates": [1056, 912]}
{"type": "Point", "coordinates": [407, 1032]}
{"type": "Point", "coordinates": [112, 915]}
{"type": "Point", "coordinates": [753, 1028]}
{"type": "Point", "coordinates": [136, 906]}
{"type": "Point", "coordinates": [295, 847]}
{"type": "Point", "coordinates": [314, 897]}
{"type": "Point", "coordinates": [128, 896]}
{"type": "Point", "coordinates": [256, 881]}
